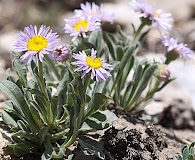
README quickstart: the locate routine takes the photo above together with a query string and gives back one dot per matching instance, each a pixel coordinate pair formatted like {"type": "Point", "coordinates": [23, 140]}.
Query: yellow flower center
{"type": "Point", "coordinates": [37, 43]}
{"type": "Point", "coordinates": [94, 63]}
{"type": "Point", "coordinates": [81, 24]}
{"type": "Point", "coordinates": [157, 14]}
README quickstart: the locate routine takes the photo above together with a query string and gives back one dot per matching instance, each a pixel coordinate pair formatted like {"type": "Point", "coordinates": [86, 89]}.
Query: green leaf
{"type": "Point", "coordinates": [192, 145]}
{"type": "Point", "coordinates": [99, 120]}
{"type": "Point", "coordinates": [14, 93]}
{"type": "Point", "coordinates": [127, 93]}
{"type": "Point", "coordinates": [70, 157]}
{"type": "Point", "coordinates": [63, 83]}
{"type": "Point", "coordinates": [135, 82]}
{"type": "Point", "coordinates": [22, 125]}
{"type": "Point", "coordinates": [185, 153]}
{"type": "Point", "coordinates": [21, 135]}
{"type": "Point", "coordinates": [119, 53]}
{"type": "Point", "coordinates": [20, 105]}
{"type": "Point", "coordinates": [179, 157]}
{"type": "Point", "coordinates": [145, 78]}
{"type": "Point", "coordinates": [190, 157]}
{"type": "Point", "coordinates": [60, 154]}
{"type": "Point", "coordinates": [47, 155]}
{"type": "Point", "coordinates": [98, 101]}
{"type": "Point", "coordinates": [120, 31]}
{"type": "Point", "coordinates": [22, 147]}
{"type": "Point", "coordinates": [8, 105]}
{"type": "Point", "coordinates": [141, 106]}
{"type": "Point", "coordinates": [36, 116]}
{"type": "Point", "coordinates": [9, 76]}
{"type": "Point", "coordinates": [8, 119]}
{"type": "Point", "coordinates": [126, 72]}
{"type": "Point", "coordinates": [99, 153]}
{"type": "Point", "coordinates": [95, 38]}
{"type": "Point", "coordinates": [127, 56]}
{"type": "Point", "coordinates": [143, 35]}
{"type": "Point", "coordinates": [108, 41]}
{"type": "Point", "coordinates": [20, 68]}
{"type": "Point", "coordinates": [191, 150]}
{"type": "Point", "coordinates": [42, 133]}
{"type": "Point", "coordinates": [64, 116]}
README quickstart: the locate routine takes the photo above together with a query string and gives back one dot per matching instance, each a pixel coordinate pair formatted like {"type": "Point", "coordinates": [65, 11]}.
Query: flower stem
{"type": "Point", "coordinates": [42, 82]}
{"type": "Point", "coordinates": [44, 90]}
{"type": "Point", "coordinates": [150, 93]}
{"type": "Point", "coordinates": [138, 31]}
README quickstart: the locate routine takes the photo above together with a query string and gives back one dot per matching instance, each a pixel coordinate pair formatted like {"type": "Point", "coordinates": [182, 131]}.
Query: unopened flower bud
{"type": "Point", "coordinates": [61, 53]}
{"type": "Point", "coordinates": [162, 72]}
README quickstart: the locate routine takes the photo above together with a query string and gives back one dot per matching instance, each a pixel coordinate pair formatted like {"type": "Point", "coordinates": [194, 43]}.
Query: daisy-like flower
{"type": "Point", "coordinates": [79, 25]}
{"type": "Point", "coordinates": [61, 53]}
{"type": "Point", "coordinates": [163, 19]}
{"type": "Point", "coordinates": [91, 9]}
{"type": "Point", "coordinates": [36, 43]}
{"type": "Point", "coordinates": [143, 9]}
{"type": "Point", "coordinates": [152, 16]}
{"type": "Point", "coordinates": [97, 66]}
{"type": "Point", "coordinates": [175, 49]}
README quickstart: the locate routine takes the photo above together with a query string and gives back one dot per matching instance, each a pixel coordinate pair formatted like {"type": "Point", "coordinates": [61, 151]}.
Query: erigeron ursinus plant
{"type": "Point", "coordinates": [61, 91]}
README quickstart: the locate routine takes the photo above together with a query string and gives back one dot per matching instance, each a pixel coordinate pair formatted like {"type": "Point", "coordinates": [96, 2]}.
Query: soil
{"type": "Point", "coordinates": [127, 139]}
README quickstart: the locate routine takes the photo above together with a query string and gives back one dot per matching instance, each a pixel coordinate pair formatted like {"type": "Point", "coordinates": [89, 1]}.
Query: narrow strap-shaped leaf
{"type": "Point", "coordinates": [96, 39]}
{"type": "Point", "coordinates": [63, 83]}
{"type": "Point", "coordinates": [22, 125]}
{"type": "Point", "coordinates": [98, 101]}
{"type": "Point", "coordinates": [143, 35]}
{"type": "Point", "coordinates": [120, 31]}
{"type": "Point", "coordinates": [119, 53]}
{"type": "Point", "coordinates": [143, 83]}
{"type": "Point", "coordinates": [42, 134]}
{"type": "Point", "coordinates": [92, 149]}
{"type": "Point", "coordinates": [8, 119]}
{"type": "Point", "coordinates": [136, 79]}
{"type": "Point", "coordinates": [20, 69]}
{"type": "Point", "coordinates": [110, 46]}
{"type": "Point", "coordinates": [16, 95]}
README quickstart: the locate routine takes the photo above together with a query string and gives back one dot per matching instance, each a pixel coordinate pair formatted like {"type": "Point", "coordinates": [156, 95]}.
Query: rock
{"type": "Point", "coordinates": [154, 108]}
{"type": "Point", "coordinates": [7, 40]}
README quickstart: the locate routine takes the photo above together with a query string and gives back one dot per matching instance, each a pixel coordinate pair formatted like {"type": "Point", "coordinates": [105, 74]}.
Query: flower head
{"type": "Point", "coordinates": [175, 49]}
{"type": "Point", "coordinates": [162, 72]}
{"type": "Point", "coordinates": [97, 66]}
{"type": "Point", "coordinates": [143, 9]}
{"type": "Point", "coordinates": [93, 10]}
{"type": "Point", "coordinates": [163, 19]}
{"type": "Point", "coordinates": [36, 43]}
{"type": "Point", "coordinates": [152, 16]}
{"type": "Point", "coordinates": [79, 25]}
{"type": "Point", "coordinates": [61, 53]}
